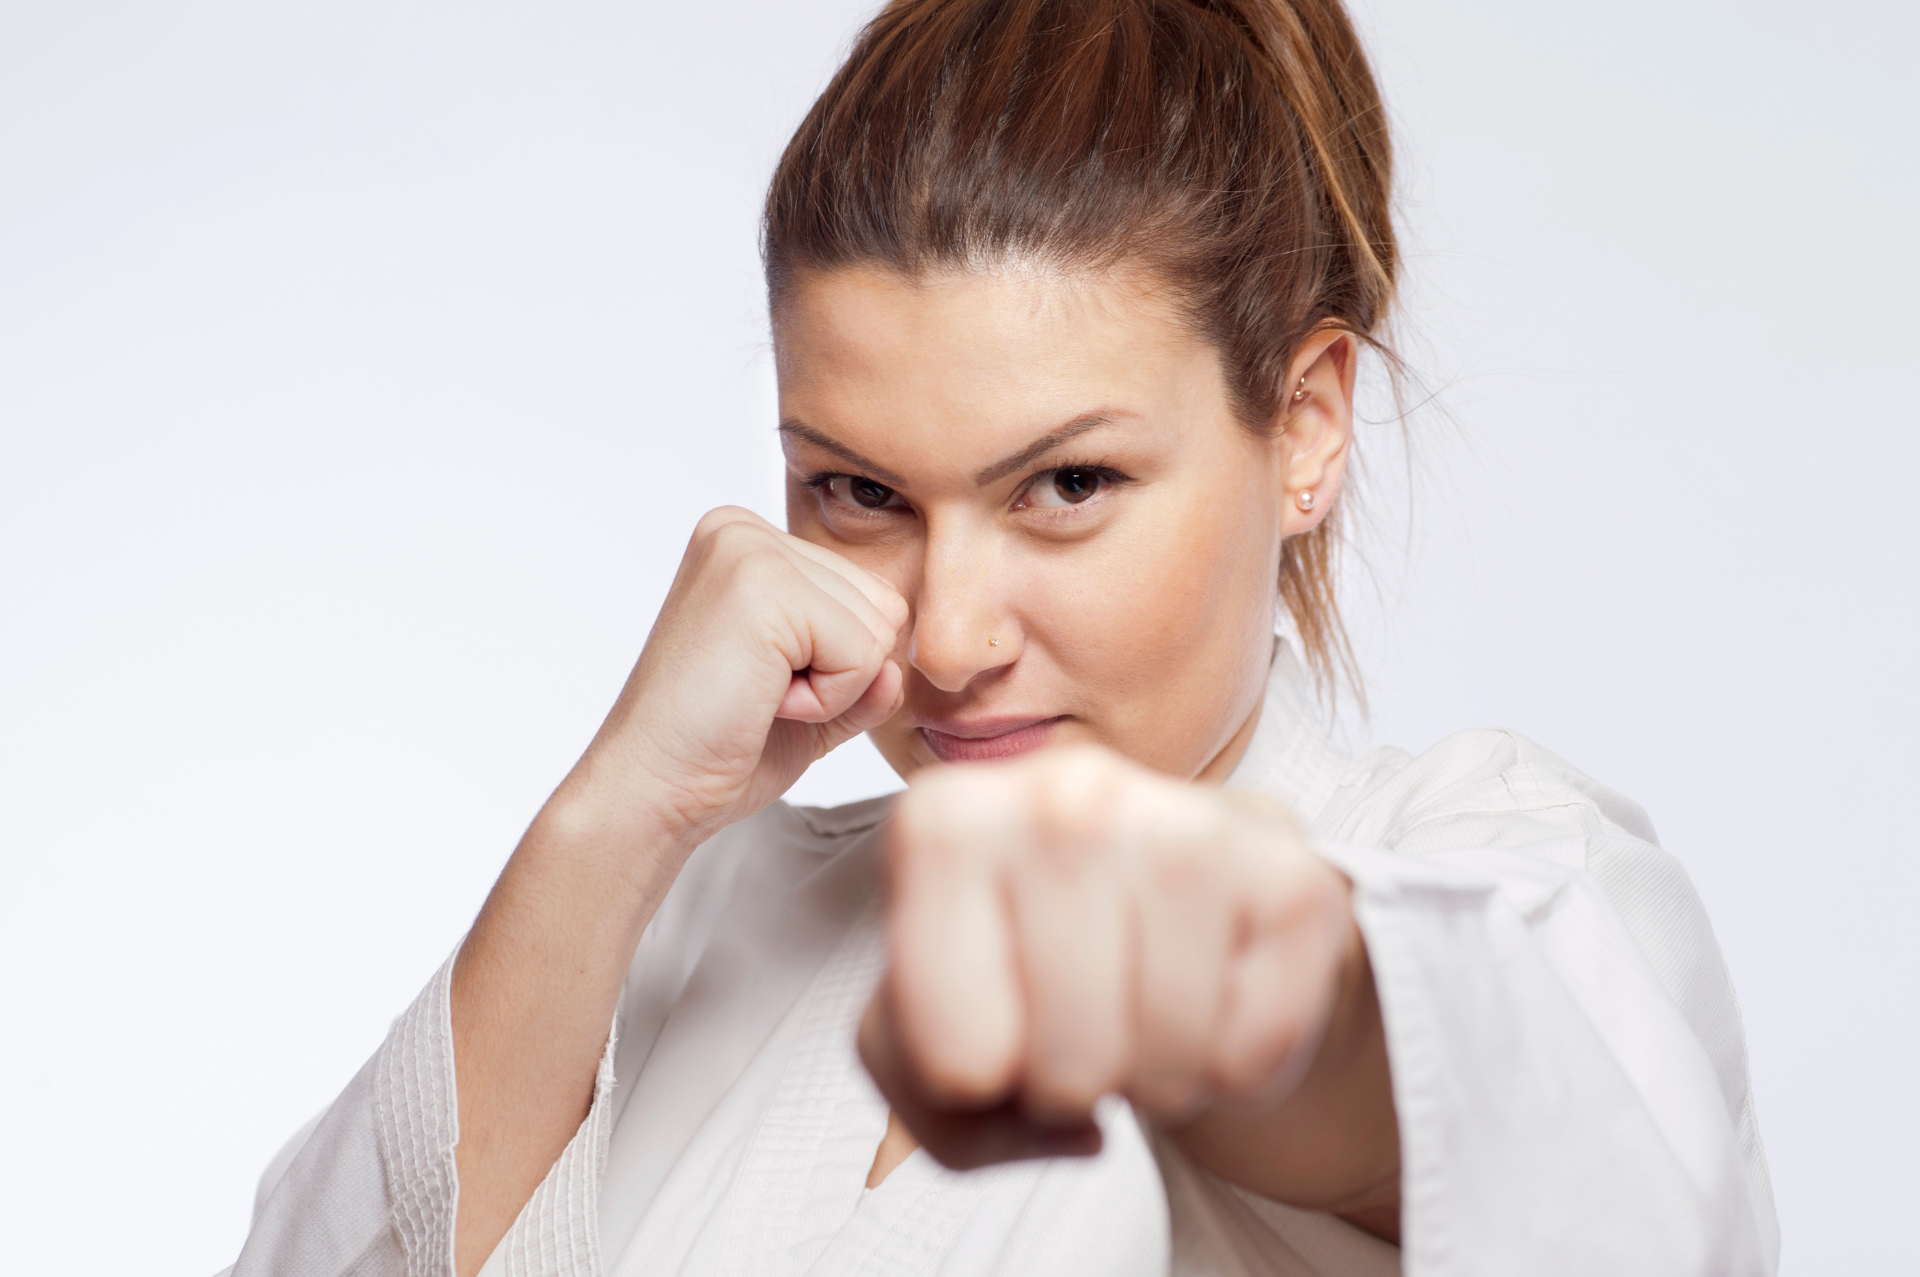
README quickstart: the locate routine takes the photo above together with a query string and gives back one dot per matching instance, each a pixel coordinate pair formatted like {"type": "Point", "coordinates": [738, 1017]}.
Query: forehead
{"type": "Point", "coordinates": [984, 358]}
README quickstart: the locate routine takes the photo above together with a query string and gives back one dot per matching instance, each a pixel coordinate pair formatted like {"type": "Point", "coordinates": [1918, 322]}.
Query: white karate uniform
{"type": "Point", "coordinates": [1568, 1068]}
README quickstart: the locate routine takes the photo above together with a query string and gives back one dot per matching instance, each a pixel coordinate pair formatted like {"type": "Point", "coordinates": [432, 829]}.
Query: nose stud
{"type": "Point", "coordinates": [993, 642]}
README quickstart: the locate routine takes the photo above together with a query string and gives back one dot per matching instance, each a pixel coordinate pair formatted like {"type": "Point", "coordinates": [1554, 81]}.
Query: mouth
{"type": "Point", "coordinates": [988, 739]}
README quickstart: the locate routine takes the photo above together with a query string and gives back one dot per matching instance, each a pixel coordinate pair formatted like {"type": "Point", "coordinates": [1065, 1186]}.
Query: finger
{"type": "Point", "coordinates": [1071, 919]}
{"type": "Point", "coordinates": [953, 977]}
{"type": "Point", "coordinates": [1283, 980]}
{"type": "Point", "coordinates": [865, 593]}
{"type": "Point", "coordinates": [962, 1138]}
{"type": "Point", "coordinates": [796, 745]}
{"type": "Point", "coordinates": [834, 655]}
{"type": "Point", "coordinates": [720, 516]}
{"type": "Point", "coordinates": [818, 621]}
{"type": "Point", "coordinates": [878, 590]}
{"type": "Point", "coordinates": [880, 702]}
{"type": "Point", "coordinates": [1267, 1026]}
{"type": "Point", "coordinates": [1183, 929]}
{"type": "Point", "coordinates": [846, 592]}
{"type": "Point", "coordinates": [750, 539]}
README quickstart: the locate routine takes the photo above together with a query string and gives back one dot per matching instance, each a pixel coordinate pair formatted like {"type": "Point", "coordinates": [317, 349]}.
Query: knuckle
{"type": "Point", "coordinates": [1070, 1086]}
{"type": "Point", "coordinates": [1071, 802]}
{"type": "Point", "coordinates": [1080, 772]}
{"type": "Point", "coordinates": [714, 521]}
{"type": "Point", "coordinates": [1250, 1061]}
{"type": "Point", "coordinates": [934, 792]}
{"type": "Point", "coordinates": [754, 567]}
{"type": "Point", "coordinates": [1270, 819]}
{"type": "Point", "coordinates": [962, 1081]}
{"type": "Point", "coordinates": [1061, 849]}
{"type": "Point", "coordinates": [907, 829]}
{"type": "Point", "coordinates": [1167, 1086]}
{"type": "Point", "coordinates": [739, 537]}
{"type": "Point", "coordinates": [1178, 867]}
{"type": "Point", "coordinates": [1237, 1072]}
{"type": "Point", "coordinates": [1166, 1097]}
{"type": "Point", "coordinates": [1181, 841]}
{"type": "Point", "coordinates": [932, 821]}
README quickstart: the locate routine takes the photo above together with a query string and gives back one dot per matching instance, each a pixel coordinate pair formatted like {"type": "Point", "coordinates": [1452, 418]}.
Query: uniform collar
{"type": "Point", "coordinates": [1290, 757]}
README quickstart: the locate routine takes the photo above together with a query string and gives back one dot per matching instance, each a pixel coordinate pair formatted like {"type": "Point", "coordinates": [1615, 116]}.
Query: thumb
{"type": "Point", "coordinates": [876, 705]}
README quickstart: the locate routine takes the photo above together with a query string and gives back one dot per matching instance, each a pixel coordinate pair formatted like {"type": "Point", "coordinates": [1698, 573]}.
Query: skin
{"type": "Point", "coordinates": [1031, 549]}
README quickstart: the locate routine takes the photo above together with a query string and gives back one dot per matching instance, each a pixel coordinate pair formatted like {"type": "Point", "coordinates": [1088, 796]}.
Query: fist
{"type": "Point", "coordinates": [768, 652]}
{"type": "Point", "coordinates": [1069, 926]}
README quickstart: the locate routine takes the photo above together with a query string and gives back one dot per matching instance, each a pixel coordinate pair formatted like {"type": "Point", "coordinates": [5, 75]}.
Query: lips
{"type": "Point", "coordinates": [986, 740]}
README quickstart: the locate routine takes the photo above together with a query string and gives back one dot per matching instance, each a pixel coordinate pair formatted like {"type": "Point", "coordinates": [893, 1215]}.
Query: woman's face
{"type": "Point", "coordinates": [1048, 468]}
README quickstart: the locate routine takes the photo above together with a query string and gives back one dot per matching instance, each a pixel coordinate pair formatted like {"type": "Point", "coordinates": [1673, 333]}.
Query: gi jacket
{"type": "Point", "coordinates": [1568, 1068]}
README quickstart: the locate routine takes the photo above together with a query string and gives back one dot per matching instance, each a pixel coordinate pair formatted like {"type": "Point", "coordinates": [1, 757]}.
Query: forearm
{"type": "Point", "coordinates": [534, 990]}
{"type": "Point", "coordinates": [1333, 1143]}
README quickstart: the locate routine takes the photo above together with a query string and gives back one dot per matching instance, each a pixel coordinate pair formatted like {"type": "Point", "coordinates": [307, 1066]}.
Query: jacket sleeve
{"type": "Point", "coordinates": [373, 1191]}
{"type": "Point", "coordinates": [1568, 1063]}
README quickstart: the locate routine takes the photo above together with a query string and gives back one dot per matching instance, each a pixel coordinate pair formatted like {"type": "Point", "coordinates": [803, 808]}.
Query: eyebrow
{"type": "Point", "coordinates": [872, 469]}
{"type": "Point", "coordinates": [1042, 446]}
{"type": "Point", "coordinates": [998, 470]}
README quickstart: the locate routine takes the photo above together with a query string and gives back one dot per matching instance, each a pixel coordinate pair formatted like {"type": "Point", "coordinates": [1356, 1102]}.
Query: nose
{"type": "Point", "coordinates": [961, 628]}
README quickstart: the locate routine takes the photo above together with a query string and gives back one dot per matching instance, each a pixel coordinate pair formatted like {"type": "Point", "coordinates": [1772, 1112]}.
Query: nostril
{"type": "Point", "coordinates": [940, 667]}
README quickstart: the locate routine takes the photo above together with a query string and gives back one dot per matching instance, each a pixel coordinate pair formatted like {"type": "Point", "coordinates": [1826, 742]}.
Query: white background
{"type": "Point", "coordinates": [364, 366]}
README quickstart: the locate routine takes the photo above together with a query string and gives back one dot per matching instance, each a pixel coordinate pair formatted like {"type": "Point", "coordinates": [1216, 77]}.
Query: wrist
{"type": "Point", "coordinates": [631, 837]}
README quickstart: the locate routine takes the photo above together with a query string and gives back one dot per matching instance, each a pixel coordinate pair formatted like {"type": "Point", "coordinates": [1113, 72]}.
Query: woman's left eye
{"type": "Point", "coordinates": [1069, 486]}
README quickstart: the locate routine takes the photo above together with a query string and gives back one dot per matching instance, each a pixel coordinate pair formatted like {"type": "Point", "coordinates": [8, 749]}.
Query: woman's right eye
{"type": "Point", "coordinates": [863, 494]}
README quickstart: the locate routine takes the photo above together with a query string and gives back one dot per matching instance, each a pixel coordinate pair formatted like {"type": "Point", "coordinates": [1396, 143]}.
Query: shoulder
{"type": "Point", "coordinates": [780, 840]}
{"type": "Point", "coordinates": [780, 824]}
{"type": "Point", "coordinates": [1491, 801]}
{"type": "Point", "coordinates": [1492, 785]}
{"type": "Point", "coordinates": [836, 824]}
{"type": "Point", "coordinates": [1492, 804]}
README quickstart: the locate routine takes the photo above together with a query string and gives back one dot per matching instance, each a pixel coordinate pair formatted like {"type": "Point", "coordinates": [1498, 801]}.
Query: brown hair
{"type": "Point", "coordinates": [1236, 148]}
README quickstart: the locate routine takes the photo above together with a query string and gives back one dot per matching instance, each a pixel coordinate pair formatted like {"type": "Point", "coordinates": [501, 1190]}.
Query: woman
{"type": "Point", "coordinates": [1067, 301]}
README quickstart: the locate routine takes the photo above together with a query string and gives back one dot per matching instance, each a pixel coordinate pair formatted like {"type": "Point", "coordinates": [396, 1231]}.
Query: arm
{"type": "Point", "coordinates": [1332, 1143]}
{"type": "Point", "coordinates": [534, 988]}
{"type": "Point", "coordinates": [768, 652]}
{"type": "Point", "coordinates": [1071, 926]}
{"type": "Point", "coordinates": [1566, 1093]}
{"type": "Point", "coordinates": [1560, 1107]}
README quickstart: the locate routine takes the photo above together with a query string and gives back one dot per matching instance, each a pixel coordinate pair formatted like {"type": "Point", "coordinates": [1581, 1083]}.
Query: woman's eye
{"type": "Point", "coordinates": [1064, 487]}
{"type": "Point", "coordinates": [865, 494]}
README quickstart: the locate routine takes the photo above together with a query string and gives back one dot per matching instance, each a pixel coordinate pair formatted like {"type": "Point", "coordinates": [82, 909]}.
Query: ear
{"type": "Point", "coordinates": [1315, 427]}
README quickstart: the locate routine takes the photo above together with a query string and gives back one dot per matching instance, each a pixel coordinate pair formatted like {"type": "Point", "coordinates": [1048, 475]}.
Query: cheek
{"type": "Point", "coordinates": [1165, 629]}
{"type": "Point", "coordinates": [894, 740]}
{"type": "Point", "coordinates": [1174, 589]}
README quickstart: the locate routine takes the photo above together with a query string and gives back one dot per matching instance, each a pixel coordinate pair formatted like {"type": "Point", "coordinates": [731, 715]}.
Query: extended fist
{"type": "Point", "coordinates": [1070, 925]}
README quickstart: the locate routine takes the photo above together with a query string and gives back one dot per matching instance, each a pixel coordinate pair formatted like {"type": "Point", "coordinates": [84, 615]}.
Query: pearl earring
{"type": "Point", "coordinates": [1304, 500]}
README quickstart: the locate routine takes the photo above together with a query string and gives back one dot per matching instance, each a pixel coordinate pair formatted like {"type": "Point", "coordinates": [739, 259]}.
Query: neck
{"type": "Point", "coordinates": [1222, 764]}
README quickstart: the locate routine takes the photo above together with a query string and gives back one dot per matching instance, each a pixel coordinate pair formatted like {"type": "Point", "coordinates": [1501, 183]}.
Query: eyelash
{"type": "Point", "coordinates": [1107, 474]}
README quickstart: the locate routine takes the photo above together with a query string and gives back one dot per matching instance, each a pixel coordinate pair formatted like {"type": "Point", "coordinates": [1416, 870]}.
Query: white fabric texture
{"type": "Point", "coordinates": [1568, 1067]}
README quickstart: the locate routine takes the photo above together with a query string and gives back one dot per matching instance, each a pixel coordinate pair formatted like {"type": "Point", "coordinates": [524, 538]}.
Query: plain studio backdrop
{"type": "Point", "coordinates": [364, 367]}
